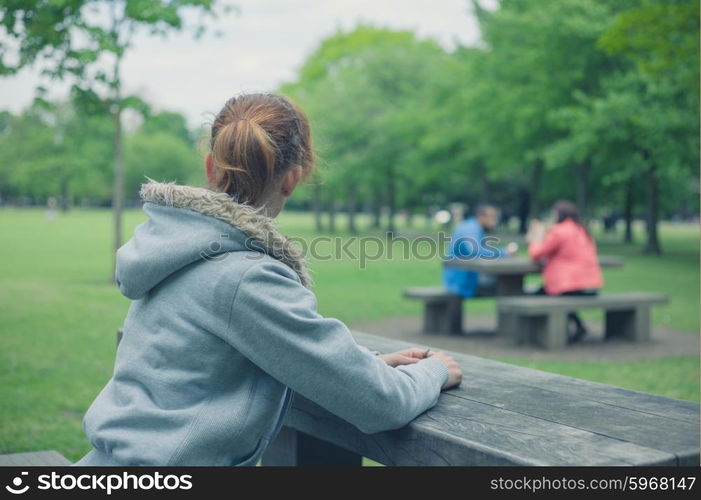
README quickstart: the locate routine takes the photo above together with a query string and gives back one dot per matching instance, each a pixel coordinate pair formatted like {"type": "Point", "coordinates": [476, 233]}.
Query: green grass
{"type": "Point", "coordinates": [672, 377]}
{"type": "Point", "coordinates": [59, 314]}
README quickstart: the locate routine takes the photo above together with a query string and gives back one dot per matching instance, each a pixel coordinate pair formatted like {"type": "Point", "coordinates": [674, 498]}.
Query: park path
{"type": "Point", "coordinates": [478, 339]}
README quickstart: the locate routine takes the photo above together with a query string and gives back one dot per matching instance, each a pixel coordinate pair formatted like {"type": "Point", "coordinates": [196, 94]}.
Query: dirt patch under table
{"type": "Point", "coordinates": [478, 339]}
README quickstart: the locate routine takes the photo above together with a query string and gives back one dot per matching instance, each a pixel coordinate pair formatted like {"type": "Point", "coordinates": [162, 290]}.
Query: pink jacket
{"type": "Point", "coordinates": [570, 259]}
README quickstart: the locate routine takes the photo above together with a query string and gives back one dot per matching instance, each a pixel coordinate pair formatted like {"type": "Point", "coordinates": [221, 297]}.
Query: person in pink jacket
{"type": "Point", "coordinates": [568, 254]}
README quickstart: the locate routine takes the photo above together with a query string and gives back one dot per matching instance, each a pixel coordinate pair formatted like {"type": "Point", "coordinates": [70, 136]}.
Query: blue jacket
{"type": "Point", "coordinates": [468, 241]}
{"type": "Point", "coordinates": [221, 333]}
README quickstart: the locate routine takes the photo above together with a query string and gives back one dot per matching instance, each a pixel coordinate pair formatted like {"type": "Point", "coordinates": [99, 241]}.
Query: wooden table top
{"type": "Point", "coordinates": [515, 265]}
{"type": "Point", "coordinates": [509, 415]}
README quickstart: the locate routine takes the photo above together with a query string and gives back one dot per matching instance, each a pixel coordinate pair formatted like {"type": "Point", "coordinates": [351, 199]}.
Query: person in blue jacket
{"type": "Point", "coordinates": [470, 240]}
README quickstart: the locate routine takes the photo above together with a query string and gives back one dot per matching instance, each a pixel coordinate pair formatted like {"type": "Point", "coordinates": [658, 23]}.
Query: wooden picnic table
{"type": "Point", "coordinates": [503, 415]}
{"type": "Point", "coordinates": [500, 415]}
{"type": "Point", "coordinates": [511, 271]}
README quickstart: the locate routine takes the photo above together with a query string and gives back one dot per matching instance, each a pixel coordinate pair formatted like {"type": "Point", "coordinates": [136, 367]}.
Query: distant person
{"type": "Point", "coordinates": [469, 241]}
{"type": "Point", "coordinates": [51, 205]}
{"type": "Point", "coordinates": [570, 263]}
{"type": "Point", "coordinates": [610, 220]}
{"type": "Point", "coordinates": [223, 327]}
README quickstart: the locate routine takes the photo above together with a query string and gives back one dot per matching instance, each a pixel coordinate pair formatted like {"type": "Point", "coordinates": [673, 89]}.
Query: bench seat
{"type": "Point", "coordinates": [543, 319]}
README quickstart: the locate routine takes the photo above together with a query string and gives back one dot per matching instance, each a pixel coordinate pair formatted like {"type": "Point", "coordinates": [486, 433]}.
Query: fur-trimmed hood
{"type": "Point", "coordinates": [170, 239]}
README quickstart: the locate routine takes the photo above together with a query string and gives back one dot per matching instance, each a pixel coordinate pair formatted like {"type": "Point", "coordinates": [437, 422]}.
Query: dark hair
{"type": "Point", "coordinates": [254, 139]}
{"type": "Point", "coordinates": [482, 208]}
{"type": "Point", "coordinates": [567, 210]}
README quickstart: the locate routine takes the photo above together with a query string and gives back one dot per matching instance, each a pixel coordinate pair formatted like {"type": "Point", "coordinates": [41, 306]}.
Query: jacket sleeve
{"type": "Point", "coordinates": [274, 323]}
{"type": "Point", "coordinates": [546, 248]}
{"type": "Point", "coordinates": [469, 243]}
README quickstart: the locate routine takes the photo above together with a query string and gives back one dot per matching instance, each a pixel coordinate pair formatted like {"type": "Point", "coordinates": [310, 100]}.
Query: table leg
{"type": "Point", "coordinates": [508, 326]}
{"type": "Point", "coordinates": [293, 448]}
{"type": "Point", "coordinates": [554, 335]}
{"type": "Point", "coordinates": [509, 284]}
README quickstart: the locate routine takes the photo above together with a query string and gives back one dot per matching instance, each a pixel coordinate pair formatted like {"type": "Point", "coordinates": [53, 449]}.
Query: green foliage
{"type": "Point", "coordinates": [49, 150]}
{"type": "Point", "coordinates": [366, 94]}
{"type": "Point", "coordinates": [642, 114]}
{"type": "Point", "coordinates": [162, 153]}
{"type": "Point", "coordinates": [661, 37]}
{"type": "Point", "coordinates": [337, 50]}
{"type": "Point", "coordinates": [58, 150]}
{"type": "Point", "coordinates": [539, 55]}
{"type": "Point", "coordinates": [562, 98]}
{"type": "Point", "coordinates": [75, 36]}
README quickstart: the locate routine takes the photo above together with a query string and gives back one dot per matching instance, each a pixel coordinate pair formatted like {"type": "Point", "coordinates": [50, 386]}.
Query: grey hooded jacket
{"type": "Point", "coordinates": [221, 333]}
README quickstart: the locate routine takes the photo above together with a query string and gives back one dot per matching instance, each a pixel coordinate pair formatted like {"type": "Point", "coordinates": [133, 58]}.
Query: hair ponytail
{"type": "Point", "coordinates": [255, 138]}
{"type": "Point", "coordinates": [244, 157]}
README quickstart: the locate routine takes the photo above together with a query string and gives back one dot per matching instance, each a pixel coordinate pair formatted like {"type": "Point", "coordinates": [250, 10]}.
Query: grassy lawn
{"type": "Point", "coordinates": [59, 314]}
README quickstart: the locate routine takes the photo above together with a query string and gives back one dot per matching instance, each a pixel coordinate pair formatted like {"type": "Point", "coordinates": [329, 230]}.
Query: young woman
{"type": "Point", "coordinates": [571, 266]}
{"type": "Point", "coordinates": [223, 328]}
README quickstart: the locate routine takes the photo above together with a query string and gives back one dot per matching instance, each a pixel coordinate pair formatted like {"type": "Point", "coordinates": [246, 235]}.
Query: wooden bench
{"type": "Point", "coordinates": [442, 309]}
{"type": "Point", "coordinates": [543, 319]}
{"type": "Point", "coordinates": [502, 415]}
{"type": "Point", "coordinates": [33, 459]}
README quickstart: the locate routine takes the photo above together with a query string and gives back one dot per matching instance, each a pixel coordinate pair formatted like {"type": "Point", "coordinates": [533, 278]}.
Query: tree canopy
{"type": "Point", "coordinates": [591, 100]}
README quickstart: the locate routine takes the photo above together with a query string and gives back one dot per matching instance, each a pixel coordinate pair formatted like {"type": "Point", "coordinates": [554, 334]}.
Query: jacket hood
{"type": "Point", "coordinates": [187, 224]}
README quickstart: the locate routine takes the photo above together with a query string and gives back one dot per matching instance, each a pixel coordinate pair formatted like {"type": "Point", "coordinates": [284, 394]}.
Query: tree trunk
{"type": "Point", "coordinates": [118, 188]}
{"type": "Point", "coordinates": [65, 194]}
{"type": "Point", "coordinates": [523, 205]}
{"type": "Point", "coordinates": [332, 214]}
{"type": "Point", "coordinates": [409, 218]}
{"type": "Point", "coordinates": [484, 184]}
{"type": "Point", "coordinates": [376, 210]}
{"type": "Point", "coordinates": [629, 204]}
{"type": "Point", "coordinates": [316, 207]}
{"type": "Point", "coordinates": [352, 209]}
{"type": "Point", "coordinates": [652, 188]}
{"type": "Point", "coordinates": [582, 179]}
{"type": "Point", "coordinates": [391, 200]}
{"type": "Point", "coordinates": [534, 189]}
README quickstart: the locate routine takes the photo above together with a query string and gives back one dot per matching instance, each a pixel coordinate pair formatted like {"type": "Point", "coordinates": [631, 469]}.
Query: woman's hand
{"type": "Point", "coordinates": [414, 355]}
{"type": "Point", "coordinates": [536, 232]}
{"type": "Point", "coordinates": [404, 357]}
{"type": "Point", "coordinates": [454, 370]}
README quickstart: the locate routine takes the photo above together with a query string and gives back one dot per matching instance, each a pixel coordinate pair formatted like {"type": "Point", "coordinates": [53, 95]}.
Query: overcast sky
{"type": "Point", "coordinates": [262, 46]}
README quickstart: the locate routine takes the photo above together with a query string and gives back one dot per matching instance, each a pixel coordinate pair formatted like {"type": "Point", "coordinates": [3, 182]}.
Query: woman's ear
{"type": "Point", "coordinates": [290, 180]}
{"type": "Point", "coordinates": [209, 169]}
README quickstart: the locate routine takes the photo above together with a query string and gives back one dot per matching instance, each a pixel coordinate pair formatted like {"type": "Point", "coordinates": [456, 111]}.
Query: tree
{"type": "Point", "coordinates": [538, 56]}
{"type": "Point", "coordinates": [161, 149]}
{"type": "Point", "coordinates": [363, 91]}
{"type": "Point", "coordinates": [643, 119]}
{"type": "Point", "coordinates": [661, 41]}
{"type": "Point", "coordinates": [85, 41]}
{"type": "Point", "coordinates": [50, 149]}
{"type": "Point", "coordinates": [562, 98]}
